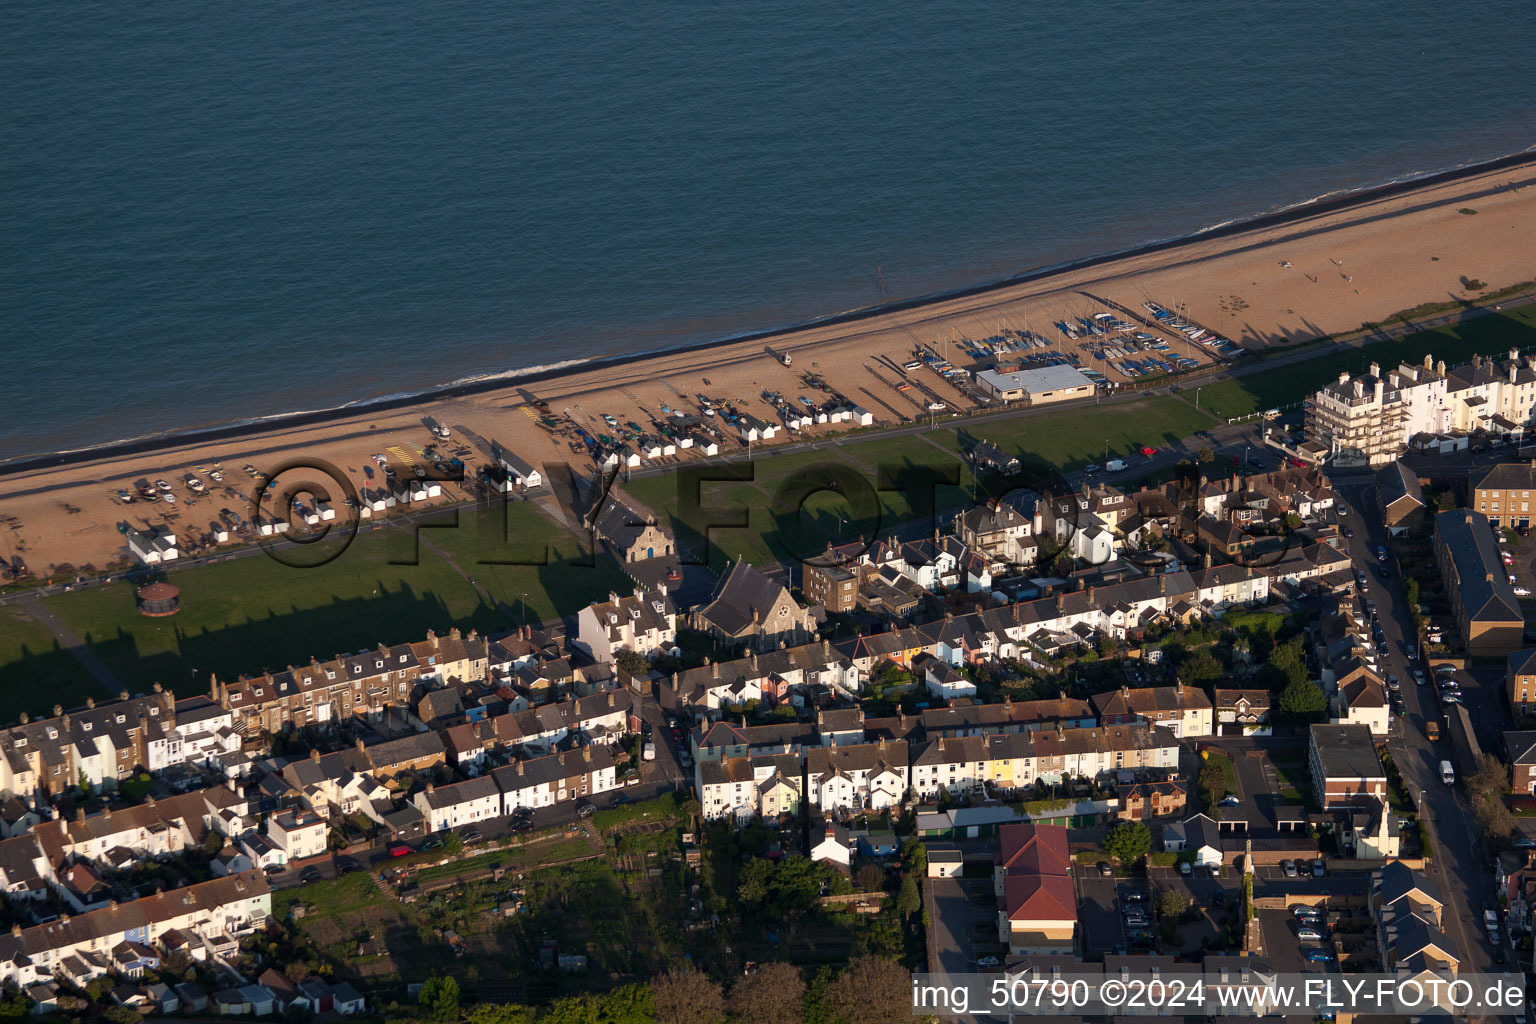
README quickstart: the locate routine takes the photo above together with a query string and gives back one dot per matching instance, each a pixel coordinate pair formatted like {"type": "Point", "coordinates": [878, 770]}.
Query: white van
{"type": "Point", "coordinates": [1447, 773]}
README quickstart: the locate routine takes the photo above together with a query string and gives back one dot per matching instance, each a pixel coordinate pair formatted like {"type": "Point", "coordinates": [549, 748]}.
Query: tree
{"type": "Point", "coordinates": [870, 878]}
{"type": "Point", "coordinates": [1212, 783]}
{"type": "Point", "coordinates": [121, 1015]}
{"type": "Point", "coordinates": [915, 856]}
{"type": "Point", "coordinates": [453, 844]}
{"type": "Point", "coordinates": [774, 995]}
{"type": "Point", "coordinates": [1302, 701]}
{"type": "Point", "coordinates": [1411, 592]}
{"type": "Point", "coordinates": [687, 997]}
{"type": "Point", "coordinates": [870, 991]}
{"type": "Point", "coordinates": [1128, 841]}
{"type": "Point", "coordinates": [628, 1004]}
{"type": "Point", "coordinates": [499, 1013]}
{"type": "Point", "coordinates": [439, 999]}
{"type": "Point", "coordinates": [908, 899]}
{"type": "Point", "coordinates": [1200, 668]}
{"type": "Point", "coordinates": [1487, 787]}
{"type": "Point", "coordinates": [1171, 904]}
{"type": "Point", "coordinates": [632, 662]}
{"type": "Point", "coordinates": [1206, 454]}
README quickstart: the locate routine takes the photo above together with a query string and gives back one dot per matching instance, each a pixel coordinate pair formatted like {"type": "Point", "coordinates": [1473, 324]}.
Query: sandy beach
{"type": "Point", "coordinates": [1322, 274]}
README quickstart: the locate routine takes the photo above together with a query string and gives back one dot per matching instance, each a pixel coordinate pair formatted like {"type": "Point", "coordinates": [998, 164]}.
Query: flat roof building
{"type": "Point", "coordinates": [1036, 387]}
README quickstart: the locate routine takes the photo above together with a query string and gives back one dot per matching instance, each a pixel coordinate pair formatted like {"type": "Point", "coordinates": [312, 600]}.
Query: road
{"type": "Point", "coordinates": [1460, 865]}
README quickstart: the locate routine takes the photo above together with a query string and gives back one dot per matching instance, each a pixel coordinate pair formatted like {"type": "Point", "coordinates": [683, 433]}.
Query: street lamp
{"type": "Point", "coordinates": [523, 607]}
{"type": "Point", "coordinates": [1197, 397]}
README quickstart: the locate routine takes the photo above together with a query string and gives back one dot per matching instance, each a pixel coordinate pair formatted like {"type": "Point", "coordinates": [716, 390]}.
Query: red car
{"type": "Point", "coordinates": [399, 850]}
{"type": "Point", "coordinates": [1148, 450]}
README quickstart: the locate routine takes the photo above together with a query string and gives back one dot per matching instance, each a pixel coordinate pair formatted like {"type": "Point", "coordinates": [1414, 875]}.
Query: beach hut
{"type": "Point", "coordinates": [667, 447]}
{"type": "Point", "coordinates": [219, 532]}
{"type": "Point", "coordinates": [401, 491]}
{"type": "Point", "coordinates": [650, 449]}
{"type": "Point", "coordinates": [418, 490]}
{"type": "Point", "coordinates": [434, 489]}
{"type": "Point", "coordinates": [862, 416]}
{"type": "Point", "coordinates": [376, 500]}
{"type": "Point", "coordinates": [822, 416]}
{"type": "Point", "coordinates": [311, 516]}
{"type": "Point", "coordinates": [628, 456]}
{"type": "Point", "coordinates": [498, 479]}
{"type": "Point", "coordinates": [153, 546]}
{"type": "Point", "coordinates": [325, 511]}
{"type": "Point", "coordinates": [263, 526]}
{"type": "Point", "coordinates": [608, 460]}
{"type": "Point", "coordinates": [686, 441]}
{"type": "Point", "coordinates": [522, 474]}
{"type": "Point", "coordinates": [364, 512]}
{"type": "Point", "coordinates": [706, 445]}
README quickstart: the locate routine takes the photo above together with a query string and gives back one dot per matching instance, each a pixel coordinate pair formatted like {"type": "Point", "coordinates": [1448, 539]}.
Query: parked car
{"type": "Point", "coordinates": [1185, 869]}
{"type": "Point", "coordinates": [1230, 800]}
{"type": "Point", "coordinates": [432, 844]}
{"type": "Point", "coordinates": [470, 837]}
{"type": "Point", "coordinates": [1105, 871]}
{"type": "Point", "coordinates": [399, 850]}
{"type": "Point", "coordinates": [585, 810]}
{"type": "Point", "coordinates": [346, 865]}
{"type": "Point", "coordinates": [1289, 868]}
{"type": "Point", "coordinates": [310, 874]}
{"type": "Point", "coordinates": [1318, 869]}
{"type": "Point", "coordinates": [1308, 934]}
{"type": "Point", "coordinates": [1522, 592]}
{"type": "Point", "coordinates": [1320, 956]}
{"type": "Point", "coordinates": [1349, 534]}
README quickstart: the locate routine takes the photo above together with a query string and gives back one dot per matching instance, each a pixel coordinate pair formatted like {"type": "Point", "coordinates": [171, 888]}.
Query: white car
{"type": "Point", "coordinates": [1228, 801]}
{"type": "Point", "coordinates": [1522, 592]}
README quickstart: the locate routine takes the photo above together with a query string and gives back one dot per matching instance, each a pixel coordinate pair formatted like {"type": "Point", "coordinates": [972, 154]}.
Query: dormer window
{"type": "Point", "coordinates": [329, 674]}
{"type": "Point", "coordinates": [356, 669]}
{"type": "Point", "coordinates": [154, 712]}
{"type": "Point", "coordinates": [402, 659]}
{"type": "Point", "coordinates": [121, 719]}
{"type": "Point", "coordinates": [21, 741]}
{"type": "Point", "coordinates": [378, 663]}
{"type": "Point", "coordinates": [85, 726]}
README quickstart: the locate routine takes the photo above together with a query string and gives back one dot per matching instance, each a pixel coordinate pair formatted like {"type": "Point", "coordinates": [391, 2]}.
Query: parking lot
{"type": "Point", "coordinates": [1284, 950]}
{"type": "Point", "coordinates": [1099, 913]}
{"type": "Point", "coordinates": [964, 923]}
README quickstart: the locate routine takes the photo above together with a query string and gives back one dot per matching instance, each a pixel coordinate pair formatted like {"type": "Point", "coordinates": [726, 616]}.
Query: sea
{"type": "Point", "coordinates": [218, 213]}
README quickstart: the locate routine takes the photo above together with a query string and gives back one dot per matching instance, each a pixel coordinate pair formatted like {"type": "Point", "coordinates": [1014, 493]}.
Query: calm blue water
{"type": "Point", "coordinates": [210, 212]}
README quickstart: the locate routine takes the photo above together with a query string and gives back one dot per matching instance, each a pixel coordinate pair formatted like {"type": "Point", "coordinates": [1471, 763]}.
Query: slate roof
{"type": "Point", "coordinates": [743, 591]}
{"type": "Point", "coordinates": [1480, 574]}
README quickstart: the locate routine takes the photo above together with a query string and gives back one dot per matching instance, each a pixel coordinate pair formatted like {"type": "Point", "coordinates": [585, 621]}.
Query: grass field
{"type": "Point", "coordinates": [1495, 334]}
{"type": "Point", "coordinates": [35, 673]}
{"type": "Point", "coordinates": [872, 485]}
{"type": "Point", "coordinates": [251, 614]}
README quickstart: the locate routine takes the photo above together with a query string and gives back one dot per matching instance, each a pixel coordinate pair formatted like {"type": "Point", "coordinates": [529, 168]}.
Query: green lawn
{"type": "Point", "coordinates": [868, 486]}
{"type": "Point", "coordinates": [254, 613]}
{"type": "Point", "coordinates": [35, 673]}
{"type": "Point", "coordinates": [1495, 334]}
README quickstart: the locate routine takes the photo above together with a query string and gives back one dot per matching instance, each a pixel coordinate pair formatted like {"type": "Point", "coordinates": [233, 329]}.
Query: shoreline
{"type": "Point", "coordinates": [1329, 203]}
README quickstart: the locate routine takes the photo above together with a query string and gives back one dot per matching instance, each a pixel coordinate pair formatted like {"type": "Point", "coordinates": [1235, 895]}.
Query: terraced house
{"type": "Point", "coordinates": [643, 622]}
{"type": "Point", "coordinates": [1185, 710]}
{"type": "Point", "coordinates": [371, 685]}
